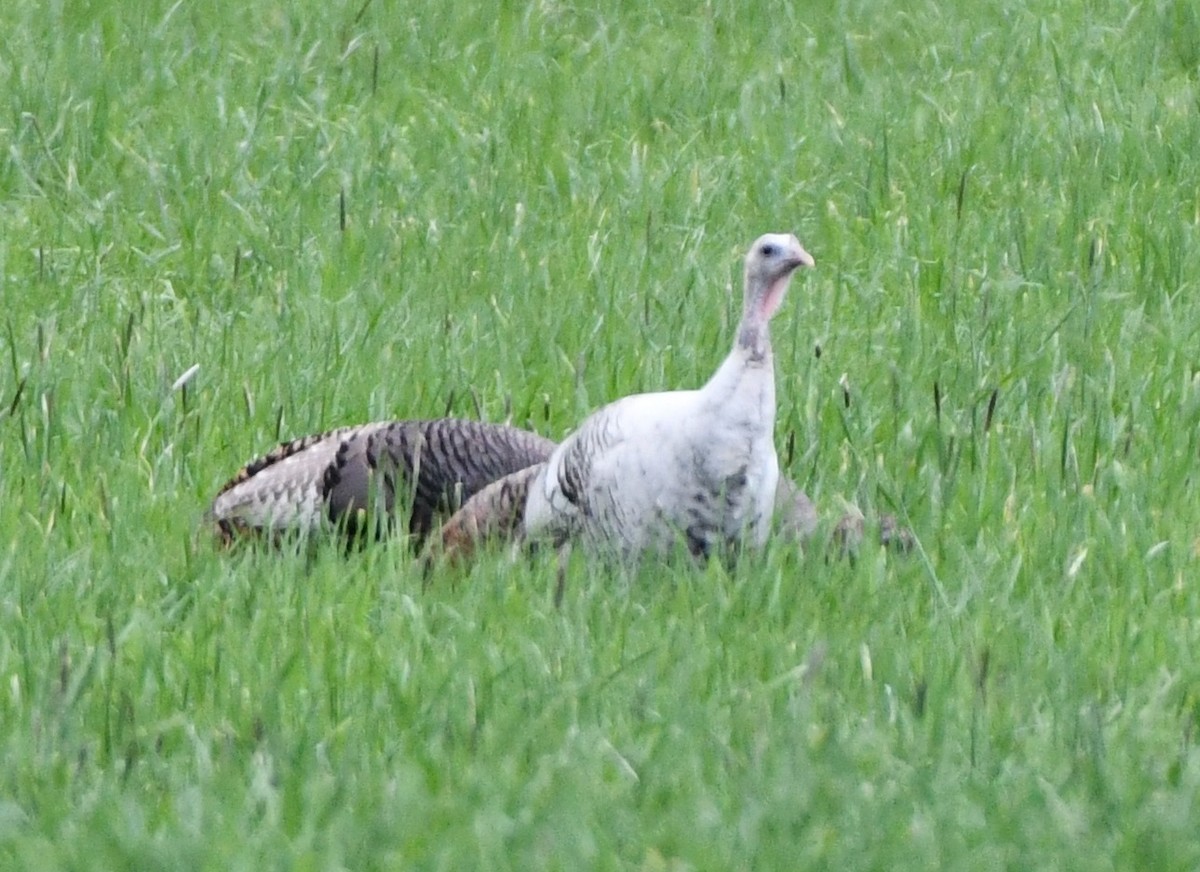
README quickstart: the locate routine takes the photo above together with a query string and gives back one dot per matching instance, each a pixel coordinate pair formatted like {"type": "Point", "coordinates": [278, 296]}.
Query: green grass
{"type": "Point", "coordinates": [545, 208]}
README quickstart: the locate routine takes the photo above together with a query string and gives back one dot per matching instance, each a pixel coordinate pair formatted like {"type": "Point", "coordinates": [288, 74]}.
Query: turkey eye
{"type": "Point", "coordinates": [767, 250]}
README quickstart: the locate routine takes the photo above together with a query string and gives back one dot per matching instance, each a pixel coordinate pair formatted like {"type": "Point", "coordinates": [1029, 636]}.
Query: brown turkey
{"type": "Point", "coordinates": [358, 478]}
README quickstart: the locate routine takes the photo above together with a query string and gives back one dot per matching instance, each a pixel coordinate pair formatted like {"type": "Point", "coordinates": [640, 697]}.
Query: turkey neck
{"type": "Point", "coordinates": [744, 385]}
{"type": "Point", "coordinates": [753, 344]}
{"type": "Point", "coordinates": [762, 300]}
{"type": "Point", "coordinates": [747, 376]}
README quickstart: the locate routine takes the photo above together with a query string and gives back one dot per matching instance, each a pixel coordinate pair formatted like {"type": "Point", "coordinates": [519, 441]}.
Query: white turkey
{"type": "Point", "coordinates": [357, 478]}
{"type": "Point", "coordinates": [649, 472]}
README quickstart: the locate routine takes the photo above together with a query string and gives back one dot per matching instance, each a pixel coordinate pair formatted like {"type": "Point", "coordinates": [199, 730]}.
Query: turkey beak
{"type": "Point", "coordinates": [800, 258]}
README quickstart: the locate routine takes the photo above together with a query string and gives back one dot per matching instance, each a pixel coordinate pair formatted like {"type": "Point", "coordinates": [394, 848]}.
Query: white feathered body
{"type": "Point", "coordinates": [651, 472]}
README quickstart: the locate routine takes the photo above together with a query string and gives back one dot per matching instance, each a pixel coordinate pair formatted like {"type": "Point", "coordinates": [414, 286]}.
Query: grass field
{"type": "Point", "coordinates": [355, 210]}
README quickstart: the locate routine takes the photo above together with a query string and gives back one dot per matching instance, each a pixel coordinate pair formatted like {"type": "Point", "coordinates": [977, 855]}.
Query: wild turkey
{"type": "Point", "coordinates": [333, 480]}
{"type": "Point", "coordinates": [651, 470]}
